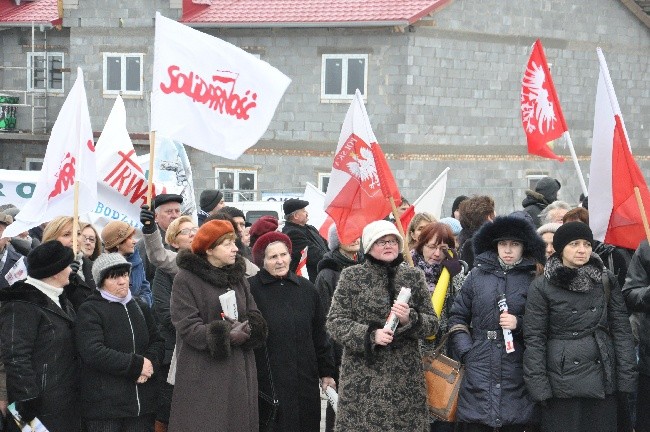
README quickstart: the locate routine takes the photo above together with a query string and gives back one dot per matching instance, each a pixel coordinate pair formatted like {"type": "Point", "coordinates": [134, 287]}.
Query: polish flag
{"type": "Point", "coordinates": [69, 158]}
{"type": "Point", "coordinates": [430, 201]}
{"type": "Point", "coordinates": [614, 215]}
{"type": "Point", "coordinates": [541, 113]}
{"type": "Point", "coordinates": [361, 181]}
{"type": "Point", "coordinates": [301, 268]}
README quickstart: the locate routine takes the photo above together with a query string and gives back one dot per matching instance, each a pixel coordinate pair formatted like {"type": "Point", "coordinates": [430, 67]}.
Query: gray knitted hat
{"type": "Point", "coordinates": [105, 262]}
{"type": "Point", "coordinates": [333, 241]}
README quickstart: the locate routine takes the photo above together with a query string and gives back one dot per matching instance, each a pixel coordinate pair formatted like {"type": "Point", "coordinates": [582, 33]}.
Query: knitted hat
{"type": "Point", "coordinates": [459, 199]}
{"type": "Point", "coordinates": [453, 223]}
{"type": "Point", "coordinates": [6, 219]}
{"type": "Point", "coordinates": [105, 262]}
{"type": "Point", "coordinates": [209, 233]}
{"type": "Point", "coordinates": [293, 204]}
{"type": "Point", "coordinates": [115, 232]}
{"type": "Point", "coordinates": [376, 230]}
{"type": "Point", "coordinates": [262, 226]}
{"type": "Point", "coordinates": [209, 199]}
{"type": "Point", "coordinates": [333, 241]}
{"type": "Point", "coordinates": [165, 198]}
{"type": "Point", "coordinates": [48, 259]}
{"type": "Point", "coordinates": [569, 232]}
{"type": "Point", "coordinates": [259, 248]}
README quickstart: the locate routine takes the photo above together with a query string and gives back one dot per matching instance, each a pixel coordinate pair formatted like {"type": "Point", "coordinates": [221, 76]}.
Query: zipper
{"type": "Point", "coordinates": [44, 377]}
{"type": "Point", "coordinates": [137, 394]}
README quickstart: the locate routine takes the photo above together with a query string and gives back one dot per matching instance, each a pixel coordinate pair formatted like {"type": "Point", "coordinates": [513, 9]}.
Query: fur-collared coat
{"type": "Point", "coordinates": [216, 383]}
{"type": "Point", "coordinates": [381, 388]}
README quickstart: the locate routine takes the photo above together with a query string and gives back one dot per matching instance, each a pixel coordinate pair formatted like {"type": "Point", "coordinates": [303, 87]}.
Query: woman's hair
{"type": "Point", "coordinates": [98, 240]}
{"type": "Point", "coordinates": [578, 214]}
{"type": "Point", "coordinates": [115, 272]}
{"type": "Point", "coordinates": [56, 227]}
{"type": "Point", "coordinates": [418, 218]}
{"type": "Point", "coordinates": [228, 236]}
{"type": "Point", "coordinates": [436, 229]}
{"type": "Point", "coordinates": [174, 227]}
{"type": "Point", "coordinates": [475, 211]}
{"type": "Point", "coordinates": [544, 215]}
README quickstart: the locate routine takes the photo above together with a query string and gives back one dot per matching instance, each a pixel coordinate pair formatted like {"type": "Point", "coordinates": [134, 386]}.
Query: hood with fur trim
{"type": "Point", "coordinates": [510, 227]}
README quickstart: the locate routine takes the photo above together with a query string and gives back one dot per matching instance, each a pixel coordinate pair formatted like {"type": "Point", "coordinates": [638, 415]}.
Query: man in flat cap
{"type": "Point", "coordinates": [210, 202]}
{"type": "Point", "coordinates": [301, 235]}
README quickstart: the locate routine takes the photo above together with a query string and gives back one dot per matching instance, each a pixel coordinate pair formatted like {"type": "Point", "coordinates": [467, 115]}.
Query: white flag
{"type": "Point", "coordinates": [209, 94]}
{"type": "Point", "coordinates": [69, 157]}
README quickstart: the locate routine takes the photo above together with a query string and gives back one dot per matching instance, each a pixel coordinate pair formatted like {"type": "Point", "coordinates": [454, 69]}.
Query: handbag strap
{"type": "Point", "coordinates": [443, 340]}
{"type": "Point", "coordinates": [268, 365]}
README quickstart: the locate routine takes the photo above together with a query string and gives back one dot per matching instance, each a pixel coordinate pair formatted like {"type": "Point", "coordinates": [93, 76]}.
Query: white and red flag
{"type": "Point", "coordinates": [614, 214]}
{"type": "Point", "coordinates": [541, 113]}
{"type": "Point", "coordinates": [69, 158]}
{"type": "Point", "coordinates": [208, 93]}
{"type": "Point", "coordinates": [301, 268]}
{"type": "Point", "coordinates": [361, 181]}
{"type": "Point", "coordinates": [430, 201]}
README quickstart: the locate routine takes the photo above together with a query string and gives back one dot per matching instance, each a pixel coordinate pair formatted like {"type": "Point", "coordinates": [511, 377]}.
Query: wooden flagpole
{"type": "Point", "coordinates": [644, 218]}
{"type": "Point", "coordinates": [398, 223]}
{"type": "Point", "coordinates": [152, 149]}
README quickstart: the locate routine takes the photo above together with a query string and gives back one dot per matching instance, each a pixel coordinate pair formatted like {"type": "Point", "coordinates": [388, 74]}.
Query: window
{"type": "Point", "coordinates": [323, 181]}
{"type": "Point", "coordinates": [123, 74]}
{"type": "Point", "coordinates": [234, 183]}
{"type": "Point", "coordinates": [45, 72]}
{"type": "Point", "coordinates": [342, 74]}
{"type": "Point", "coordinates": [33, 164]}
{"type": "Point", "coordinates": [532, 179]}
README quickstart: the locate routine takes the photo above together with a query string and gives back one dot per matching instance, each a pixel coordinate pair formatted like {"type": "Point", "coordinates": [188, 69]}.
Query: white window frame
{"type": "Point", "coordinates": [344, 96]}
{"type": "Point", "coordinates": [48, 57]}
{"type": "Point", "coordinates": [321, 181]}
{"type": "Point", "coordinates": [530, 178]}
{"type": "Point", "coordinates": [122, 91]}
{"type": "Point", "coordinates": [31, 160]}
{"type": "Point", "coordinates": [235, 194]}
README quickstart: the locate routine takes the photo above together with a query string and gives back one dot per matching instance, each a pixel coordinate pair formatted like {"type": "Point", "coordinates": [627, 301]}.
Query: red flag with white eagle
{"type": "Point", "coordinates": [614, 214]}
{"type": "Point", "coordinates": [361, 181]}
{"type": "Point", "coordinates": [69, 158]}
{"type": "Point", "coordinates": [541, 113]}
{"type": "Point", "coordinates": [208, 93]}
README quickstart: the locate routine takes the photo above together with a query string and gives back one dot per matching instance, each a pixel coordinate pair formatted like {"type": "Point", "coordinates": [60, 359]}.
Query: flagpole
{"type": "Point", "coordinates": [431, 186]}
{"type": "Point", "coordinates": [405, 249]}
{"type": "Point", "coordinates": [152, 148]}
{"type": "Point", "coordinates": [583, 185]}
{"type": "Point", "coordinates": [75, 218]}
{"type": "Point", "coordinates": [644, 217]}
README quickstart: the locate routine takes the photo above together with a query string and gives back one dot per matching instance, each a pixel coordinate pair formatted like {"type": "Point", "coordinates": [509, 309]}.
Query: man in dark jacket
{"type": "Point", "coordinates": [303, 235]}
{"type": "Point", "coordinates": [210, 202]}
{"type": "Point", "coordinates": [545, 193]}
{"type": "Point", "coordinates": [8, 255]}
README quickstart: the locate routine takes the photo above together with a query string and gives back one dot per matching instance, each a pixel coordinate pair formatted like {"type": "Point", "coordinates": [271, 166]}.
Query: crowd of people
{"type": "Point", "coordinates": [182, 326]}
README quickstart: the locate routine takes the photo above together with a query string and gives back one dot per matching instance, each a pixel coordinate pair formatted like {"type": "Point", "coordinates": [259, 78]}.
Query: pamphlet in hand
{"type": "Point", "coordinates": [33, 426]}
{"type": "Point", "coordinates": [392, 321]}
{"type": "Point", "coordinates": [17, 272]}
{"type": "Point", "coordinates": [333, 398]}
{"type": "Point", "coordinates": [229, 304]}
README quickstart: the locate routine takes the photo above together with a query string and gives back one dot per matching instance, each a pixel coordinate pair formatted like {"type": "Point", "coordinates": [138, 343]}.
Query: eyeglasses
{"type": "Point", "coordinates": [188, 231]}
{"type": "Point", "coordinates": [441, 248]}
{"type": "Point", "coordinates": [383, 243]}
{"type": "Point", "coordinates": [89, 239]}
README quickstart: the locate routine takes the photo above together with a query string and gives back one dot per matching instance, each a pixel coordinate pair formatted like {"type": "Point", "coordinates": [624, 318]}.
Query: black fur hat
{"type": "Point", "coordinates": [510, 228]}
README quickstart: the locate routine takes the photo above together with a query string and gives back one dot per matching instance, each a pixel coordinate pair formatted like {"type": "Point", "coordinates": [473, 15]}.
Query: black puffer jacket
{"type": "Point", "coordinates": [113, 340]}
{"type": "Point", "coordinates": [637, 297]}
{"type": "Point", "coordinates": [569, 354]}
{"type": "Point", "coordinates": [162, 294]}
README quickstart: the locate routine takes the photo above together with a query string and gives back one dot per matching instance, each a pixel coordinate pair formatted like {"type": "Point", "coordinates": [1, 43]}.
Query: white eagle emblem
{"type": "Point", "coordinates": [363, 167]}
{"type": "Point", "coordinates": [536, 107]}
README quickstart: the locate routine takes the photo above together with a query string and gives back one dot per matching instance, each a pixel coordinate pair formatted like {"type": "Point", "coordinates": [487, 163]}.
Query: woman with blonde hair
{"type": "Point", "coordinates": [417, 224]}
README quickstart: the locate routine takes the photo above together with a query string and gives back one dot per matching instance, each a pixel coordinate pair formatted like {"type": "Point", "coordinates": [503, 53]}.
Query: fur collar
{"type": "Point", "coordinates": [336, 261]}
{"type": "Point", "coordinates": [220, 277]}
{"type": "Point", "coordinates": [581, 279]}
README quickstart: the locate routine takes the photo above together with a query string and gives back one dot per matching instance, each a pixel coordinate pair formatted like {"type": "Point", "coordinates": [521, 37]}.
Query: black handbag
{"type": "Point", "coordinates": [268, 405]}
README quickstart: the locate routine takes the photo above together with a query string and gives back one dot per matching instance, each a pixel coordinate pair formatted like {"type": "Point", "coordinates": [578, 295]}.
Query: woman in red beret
{"type": "Point", "coordinates": [297, 347]}
{"type": "Point", "coordinates": [216, 386]}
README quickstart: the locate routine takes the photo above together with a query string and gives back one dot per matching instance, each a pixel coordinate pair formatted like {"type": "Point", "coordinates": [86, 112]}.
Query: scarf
{"type": "Point", "coordinates": [581, 279]}
{"type": "Point", "coordinates": [391, 270]}
{"type": "Point", "coordinates": [507, 267]}
{"type": "Point", "coordinates": [431, 271]}
{"type": "Point", "coordinates": [114, 299]}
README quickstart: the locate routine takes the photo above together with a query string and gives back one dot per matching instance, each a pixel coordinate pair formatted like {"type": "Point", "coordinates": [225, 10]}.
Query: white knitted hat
{"type": "Point", "coordinates": [105, 262]}
{"type": "Point", "coordinates": [376, 230]}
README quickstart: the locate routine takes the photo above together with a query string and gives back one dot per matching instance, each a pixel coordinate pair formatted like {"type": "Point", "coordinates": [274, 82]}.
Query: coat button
{"type": "Point", "coordinates": [498, 345]}
{"type": "Point", "coordinates": [575, 333]}
{"type": "Point", "coordinates": [597, 361]}
{"type": "Point", "coordinates": [574, 311]}
{"type": "Point", "coordinates": [498, 386]}
{"type": "Point", "coordinates": [593, 309]}
{"type": "Point", "coordinates": [576, 362]}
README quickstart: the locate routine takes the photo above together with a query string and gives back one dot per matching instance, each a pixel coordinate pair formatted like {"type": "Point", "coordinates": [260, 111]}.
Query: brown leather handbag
{"type": "Point", "coordinates": [443, 376]}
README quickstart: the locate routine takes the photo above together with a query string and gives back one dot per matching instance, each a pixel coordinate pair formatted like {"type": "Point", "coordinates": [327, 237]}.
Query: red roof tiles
{"type": "Point", "coordinates": [37, 11]}
{"type": "Point", "coordinates": [290, 13]}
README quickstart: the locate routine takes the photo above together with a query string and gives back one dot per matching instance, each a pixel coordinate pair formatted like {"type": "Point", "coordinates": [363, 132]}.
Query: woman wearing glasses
{"type": "Point", "coordinates": [508, 255]}
{"type": "Point", "coordinates": [90, 241]}
{"type": "Point", "coordinates": [381, 385]}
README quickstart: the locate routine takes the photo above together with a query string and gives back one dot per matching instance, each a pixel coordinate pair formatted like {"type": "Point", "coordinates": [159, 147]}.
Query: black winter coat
{"type": "Point", "coordinates": [302, 236]}
{"type": "Point", "coordinates": [12, 257]}
{"type": "Point", "coordinates": [493, 392]}
{"type": "Point", "coordinates": [113, 339]}
{"type": "Point", "coordinates": [162, 294]}
{"type": "Point", "coordinates": [637, 297]}
{"type": "Point", "coordinates": [569, 354]}
{"type": "Point", "coordinates": [298, 348]}
{"type": "Point", "coordinates": [37, 339]}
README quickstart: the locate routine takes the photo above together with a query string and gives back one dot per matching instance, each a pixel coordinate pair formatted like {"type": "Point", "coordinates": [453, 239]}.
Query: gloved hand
{"type": "Point", "coordinates": [452, 264]}
{"type": "Point", "coordinates": [148, 220]}
{"type": "Point", "coordinates": [28, 409]}
{"type": "Point", "coordinates": [239, 333]}
{"type": "Point", "coordinates": [76, 264]}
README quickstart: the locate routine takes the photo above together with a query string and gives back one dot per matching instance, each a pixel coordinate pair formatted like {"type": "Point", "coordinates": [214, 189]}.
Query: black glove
{"type": "Point", "coordinates": [76, 264]}
{"type": "Point", "coordinates": [148, 220]}
{"type": "Point", "coordinates": [239, 333]}
{"type": "Point", "coordinates": [28, 409]}
{"type": "Point", "coordinates": [452, 264]}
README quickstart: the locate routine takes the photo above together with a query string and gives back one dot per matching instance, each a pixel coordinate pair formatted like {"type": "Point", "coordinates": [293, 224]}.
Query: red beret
{"type": "Point", "coordinates": [259, 248]}
{"type": "Point", "coordinates": [209, 233]}
{"type": "Point", "coordinates": [261, 226]}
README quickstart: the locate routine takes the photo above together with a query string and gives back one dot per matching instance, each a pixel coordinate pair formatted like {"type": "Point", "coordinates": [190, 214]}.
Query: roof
{"type": "Point", "coordinates": [37, 11]}
{"type": "Point", "coordinates": [306, 13]}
